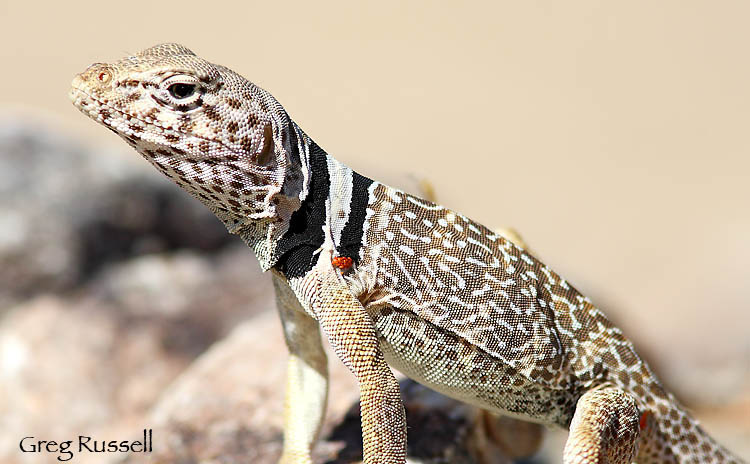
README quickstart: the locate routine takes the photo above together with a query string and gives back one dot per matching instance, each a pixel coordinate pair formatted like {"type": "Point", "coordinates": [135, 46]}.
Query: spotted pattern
{"type": "Point", "coordinates": [474, 316]}
{"type": "Point", "coordinates": [230, 144]}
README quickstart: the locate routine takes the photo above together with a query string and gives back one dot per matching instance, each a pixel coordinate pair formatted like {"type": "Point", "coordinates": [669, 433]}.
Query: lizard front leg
{"type": "Point", "coordinates": [351, 333]}
{"type": "Point", "coordinates": [307, 376]}
{"type": "Point", "coordinates": [604, 429]}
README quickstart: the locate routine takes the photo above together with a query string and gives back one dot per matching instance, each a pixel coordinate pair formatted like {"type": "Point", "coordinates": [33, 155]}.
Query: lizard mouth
{"type": "Point", "coordinates": [115, 119]}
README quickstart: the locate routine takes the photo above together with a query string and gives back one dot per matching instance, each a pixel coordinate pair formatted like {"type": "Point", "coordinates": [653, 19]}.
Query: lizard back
{"type": "Point", "coordinates": [444, 289]}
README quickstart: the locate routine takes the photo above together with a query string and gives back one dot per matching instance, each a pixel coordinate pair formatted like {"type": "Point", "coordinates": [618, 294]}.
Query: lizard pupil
{"type": "Point", "coordinates": [181, 91]}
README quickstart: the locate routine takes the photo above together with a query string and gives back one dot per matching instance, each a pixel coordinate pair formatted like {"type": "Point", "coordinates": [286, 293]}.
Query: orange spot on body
{"type": "Point", "coordinates": [342, 262]}
{"type": "Point", "coordinates": [644, 419]}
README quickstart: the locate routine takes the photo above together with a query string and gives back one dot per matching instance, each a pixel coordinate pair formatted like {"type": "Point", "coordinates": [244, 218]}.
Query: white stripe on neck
{"type": "Point", "coordinates": [338, 203]}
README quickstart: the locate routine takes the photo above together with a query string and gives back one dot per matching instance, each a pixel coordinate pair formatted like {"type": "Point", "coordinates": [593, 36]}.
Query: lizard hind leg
{"type": "Point", "coordinates": [604, 430]}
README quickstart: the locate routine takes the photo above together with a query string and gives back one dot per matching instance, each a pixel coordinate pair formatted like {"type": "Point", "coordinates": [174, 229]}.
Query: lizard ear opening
{"type": "Point", "coordinates": [264, 156]}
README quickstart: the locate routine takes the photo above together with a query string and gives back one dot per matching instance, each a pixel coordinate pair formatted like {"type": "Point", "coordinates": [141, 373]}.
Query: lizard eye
{"type": "Point", "coordinates": [181, 91]}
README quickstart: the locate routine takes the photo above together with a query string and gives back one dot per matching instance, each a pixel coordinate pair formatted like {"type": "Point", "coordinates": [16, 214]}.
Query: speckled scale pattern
{"type": "Point", "coordinates": [474, 316]}
{"type": "Point", "coordinates": [218, 147]}
{"type": "Point", "coordinates": [435, 294]}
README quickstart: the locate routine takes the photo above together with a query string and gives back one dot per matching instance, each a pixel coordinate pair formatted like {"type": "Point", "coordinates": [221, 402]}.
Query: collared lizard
{"type": "Point", "coordinates": [392, 279]}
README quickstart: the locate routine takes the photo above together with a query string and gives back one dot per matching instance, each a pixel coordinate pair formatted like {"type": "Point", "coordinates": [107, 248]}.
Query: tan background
{"type": "Point", "coordinates": [612, 135]}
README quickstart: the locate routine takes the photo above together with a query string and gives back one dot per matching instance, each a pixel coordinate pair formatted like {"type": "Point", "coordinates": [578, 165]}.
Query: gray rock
{"type": "Point", "coordinates": [66, 210]}
{"type": "Point", "coordinates": [93, 379]}
{"type": "Point", "coordinates": [227, 407]}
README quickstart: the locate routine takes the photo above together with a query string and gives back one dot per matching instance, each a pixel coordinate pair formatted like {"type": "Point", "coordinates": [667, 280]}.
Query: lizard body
{"type": "Point", "coordinates": [390, 278]}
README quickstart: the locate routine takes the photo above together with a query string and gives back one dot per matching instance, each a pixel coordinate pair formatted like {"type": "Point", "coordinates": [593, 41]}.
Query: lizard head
{"type": "Point", "coordinates": [221, 138]}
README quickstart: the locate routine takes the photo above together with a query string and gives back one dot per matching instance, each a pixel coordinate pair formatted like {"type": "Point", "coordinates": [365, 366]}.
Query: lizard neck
{"type": "Point", "coordinates": [332, 214]}
{"type": "Point", "coordinates": [327, 204]}
{"type": "Point", "coordinates": [291, 183]}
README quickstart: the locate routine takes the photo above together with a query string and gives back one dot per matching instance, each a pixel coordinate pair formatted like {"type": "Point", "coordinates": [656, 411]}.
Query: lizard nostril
{"type": "Point", "coordinates": [104, 77]}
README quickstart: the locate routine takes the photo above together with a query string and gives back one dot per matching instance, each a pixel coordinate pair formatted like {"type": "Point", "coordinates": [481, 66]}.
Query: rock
{"type": "Point", "coordinates": [227, 407]}
{"type": "Point", "coordinates": [95, 364]}
{"type": "Point", "coordinates": [65, 211]}
{"type": "Point", "coordinates": [94, 378]}
{"type": "Point", "coordinates": [193, 298]}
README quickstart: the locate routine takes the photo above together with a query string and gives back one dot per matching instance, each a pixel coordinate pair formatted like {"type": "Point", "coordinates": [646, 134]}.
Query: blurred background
{"type": "Point", "coordinates": [613, 136]}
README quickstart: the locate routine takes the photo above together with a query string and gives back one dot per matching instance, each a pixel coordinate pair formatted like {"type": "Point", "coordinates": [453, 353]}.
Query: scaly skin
{"type": "Point", "coordinates": [389, 277]}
